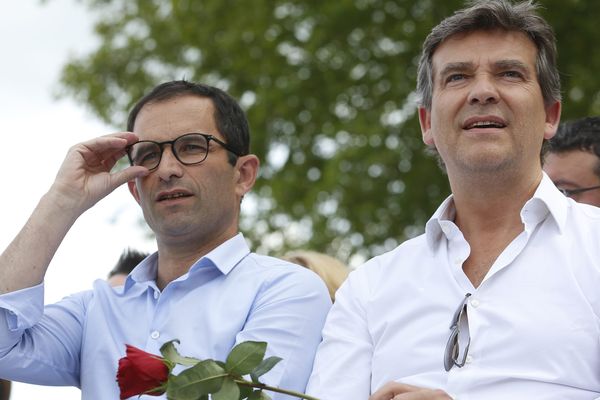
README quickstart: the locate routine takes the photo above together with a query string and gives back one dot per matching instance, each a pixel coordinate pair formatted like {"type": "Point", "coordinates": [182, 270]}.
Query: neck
{"type": "Point", "coordinates": [488, 214]}
{"type": "Point", "coordinates": [497, 199]}
{"type": "Point", "coordinates": [175, 258]}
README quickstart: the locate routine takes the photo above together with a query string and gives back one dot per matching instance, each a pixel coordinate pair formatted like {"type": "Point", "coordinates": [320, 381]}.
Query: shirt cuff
{"type": "Point", "coordinates": [22, 308]}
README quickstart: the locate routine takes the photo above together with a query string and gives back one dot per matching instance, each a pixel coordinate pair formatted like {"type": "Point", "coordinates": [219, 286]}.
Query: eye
{"type": "Point", "coordinates": [192, 146]}
{"type": "Point", "coordinates": [145, 153]}
{"type": "Point", "coordinates": [146, 157]}
{"type": "Point", "coordinates": [512, 74]}
{"type": "Point", "coordinates": [455, 78]}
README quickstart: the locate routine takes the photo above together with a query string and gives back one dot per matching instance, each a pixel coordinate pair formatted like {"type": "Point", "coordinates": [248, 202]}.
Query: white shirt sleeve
{"type": "Point", "coordinates": [342, 368]}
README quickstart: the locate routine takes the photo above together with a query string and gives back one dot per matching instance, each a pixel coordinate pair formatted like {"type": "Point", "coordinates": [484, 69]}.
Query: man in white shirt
{"type": "Point", "coordinates": [500, 298]}
{"type": "Point", "coordinates": [189, 149]}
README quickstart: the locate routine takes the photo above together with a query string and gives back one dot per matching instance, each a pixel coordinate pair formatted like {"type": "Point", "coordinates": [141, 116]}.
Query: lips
{"type": "Point", "coordinates": [172, 194]}
{"type": "Point", "coordinates": [484, 122]}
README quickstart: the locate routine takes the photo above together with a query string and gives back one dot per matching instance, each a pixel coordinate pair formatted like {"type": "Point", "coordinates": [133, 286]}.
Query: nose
{"type": "Point", "coordinates": [483, 91]}
{"type": "Point", "coordinates": [169, 166]}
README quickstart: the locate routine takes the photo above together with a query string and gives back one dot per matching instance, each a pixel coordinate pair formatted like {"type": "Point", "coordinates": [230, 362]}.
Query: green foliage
{"type": "Point", "coordinates": [170, 353]}
{"type": "Point", "coordinates": [224, 381]}
{"type": "Point", "coordinates": [202, 379]}
{"type": "Point", "coordinates": [265, 366]}
{"type": "Point", "coordinates": [327, 87]}
{"type": "Point", "coordinates": [244, 357]}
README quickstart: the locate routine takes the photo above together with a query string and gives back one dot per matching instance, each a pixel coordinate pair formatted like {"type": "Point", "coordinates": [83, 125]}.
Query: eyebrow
{"type": "Point", "coordinates": [512, 64]}
{"type": "Point", "coordinates": [456, 67]}
{"type": "Point", "coordinates": [499, 65]}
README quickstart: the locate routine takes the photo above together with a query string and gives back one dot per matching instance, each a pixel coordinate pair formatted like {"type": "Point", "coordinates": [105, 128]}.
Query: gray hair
{"type": "Point", "coordinates": [490, 15]}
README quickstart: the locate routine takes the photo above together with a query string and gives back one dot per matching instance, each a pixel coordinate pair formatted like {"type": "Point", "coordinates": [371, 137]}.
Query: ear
{"type": "Point", "coordinates": [246, 173]}
{"type": "Point", "coordinates": [552, 119]}
{"type": "Point", "coordinates": [133, 190]}
{"type": "Point", "coordinates": [425, 121]}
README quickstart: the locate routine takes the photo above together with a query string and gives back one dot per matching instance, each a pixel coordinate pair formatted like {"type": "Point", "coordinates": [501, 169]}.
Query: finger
{"type": "Point", "coordinates": [128, 174]}
{"type": "Point", "coordinates": [423, 394]}
{"type": "Point", "coordinates": [110, 142]}
{"type": "Point", "coordinates": [391, 389]}
{"type": "Point", "coordinates": [104, 151]}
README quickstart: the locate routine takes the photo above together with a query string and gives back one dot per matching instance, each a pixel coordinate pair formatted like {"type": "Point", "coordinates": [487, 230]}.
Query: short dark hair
{"type": "Point", "coordinates": [488, 15]}
{"type": "Point", "coordinates": [229, 117]}
{"type": "Point", "coordinates": [127, 262]}
{"type": "Point", "coordinates": [579, 134]}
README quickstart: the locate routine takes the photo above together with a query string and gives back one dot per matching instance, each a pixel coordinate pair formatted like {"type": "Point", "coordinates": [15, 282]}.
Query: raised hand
{"type": "Point", "coordinates": [85, 176]}
{"type": "Point", "coordinates": [82, 180]}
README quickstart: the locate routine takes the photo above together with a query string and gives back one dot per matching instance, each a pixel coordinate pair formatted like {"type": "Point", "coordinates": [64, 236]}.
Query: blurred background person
{"type": "Point", "coordinates": [573, 160]}
{"type": "Point", "coordinates": [126, 263]}
{"type": "Point", "coordinates": [330, 269]}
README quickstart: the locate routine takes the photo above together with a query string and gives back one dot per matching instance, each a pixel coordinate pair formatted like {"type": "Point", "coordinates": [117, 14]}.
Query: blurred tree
{"type": "Point", "coordinates": [328, 88]}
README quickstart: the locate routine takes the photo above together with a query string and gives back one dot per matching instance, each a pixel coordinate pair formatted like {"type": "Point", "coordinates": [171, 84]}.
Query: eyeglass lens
{"type": "Point", "coordinates": [188, 149]}
{"type": "Point", "coordinates": [458, 343]}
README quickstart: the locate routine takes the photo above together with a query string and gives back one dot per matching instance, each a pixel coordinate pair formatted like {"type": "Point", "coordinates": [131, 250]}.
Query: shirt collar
{"type": "Point", "coordinates": [547, 199]}
{"type": "Point", "coordinates": [224, 257]}
{"type": "Point", "coordinates": [433, 228]}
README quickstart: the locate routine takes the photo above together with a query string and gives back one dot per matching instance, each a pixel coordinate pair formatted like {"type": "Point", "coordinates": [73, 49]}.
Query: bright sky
{"type": "Point", "coordinates": [36, 131]}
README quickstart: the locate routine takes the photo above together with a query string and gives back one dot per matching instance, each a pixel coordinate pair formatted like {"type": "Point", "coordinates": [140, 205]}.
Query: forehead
{"type": "Point", "coordinates": [570, 165]}
{"type": "Point", "coordinates": [168, 119]}
{"type": "Point", "coordinates": [481, 48]}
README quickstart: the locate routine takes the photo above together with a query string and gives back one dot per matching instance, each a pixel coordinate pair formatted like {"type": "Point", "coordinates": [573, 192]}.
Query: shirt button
{"type": "Point", "coordinates": [475, 303]}
{"type": "Point", "coordinates": [457, 261]}
{"type": "Point", "coordinates": [156, 294]}
{"type": "Point", "coordinates": [155, 335]}
{"type": "Point", "coordinates": [469, 359]}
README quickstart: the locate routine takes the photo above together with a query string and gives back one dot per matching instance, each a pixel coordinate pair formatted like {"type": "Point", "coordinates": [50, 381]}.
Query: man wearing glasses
{"type": "Point", "coordinates": [500, 297]}
{"type": "Point", "coordinates": [188, 145]}
{"type": "Point", "coordinates": [573, 160]}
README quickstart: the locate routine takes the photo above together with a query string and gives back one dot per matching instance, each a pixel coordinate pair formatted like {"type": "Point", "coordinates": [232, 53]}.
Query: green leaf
{"type": "Point", "coordinates": [203, 378]}
{"type": "Point", "coordinates": [265, 366]}
{"type": "Point", "coordinates": [244, 357]}
{"type": "Point", "coordinates": [245, 391]}
{"type": "Point", "coordinates": [229, 391]}
{"type": "Point", "coordinates": [255, 395]}
{"type": "Point", "coordinates": [170, 353]}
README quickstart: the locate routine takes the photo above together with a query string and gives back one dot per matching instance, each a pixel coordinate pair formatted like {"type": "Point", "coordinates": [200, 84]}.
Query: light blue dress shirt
{"type": "Point", "coordinates": [229, 296]}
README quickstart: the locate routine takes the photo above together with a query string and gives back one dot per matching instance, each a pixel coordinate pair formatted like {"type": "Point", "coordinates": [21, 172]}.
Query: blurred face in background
{"type": "Point", "coordinates": [573, 171]}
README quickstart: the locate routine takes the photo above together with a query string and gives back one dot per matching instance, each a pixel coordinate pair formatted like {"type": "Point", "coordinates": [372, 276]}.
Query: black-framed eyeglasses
{"type": "Point", "coordinates": [573, 192]}
{"type": "Point", "coordinates": [188, 149]}
{"type": "Point", "coordinates": [454, 355]}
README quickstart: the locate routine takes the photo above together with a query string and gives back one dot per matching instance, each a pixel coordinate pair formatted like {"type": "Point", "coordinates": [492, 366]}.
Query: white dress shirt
{"type": "Point", "coordinates": [534, 321]}
{"type": "Point", "coordinates": [228, 296]}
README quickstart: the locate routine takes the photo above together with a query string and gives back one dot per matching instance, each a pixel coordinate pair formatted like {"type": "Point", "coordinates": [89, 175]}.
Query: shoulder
{"type": "Point", "coordinates": [588, 212]}
{"type": "Point", "coordinates": [583, 224]}
{"type": "Point", "coordinates": [271, 271]}
{"type": "Point", "coordinates": [402, 258]}
{"type": "Point", "coordinates": [393, 266]}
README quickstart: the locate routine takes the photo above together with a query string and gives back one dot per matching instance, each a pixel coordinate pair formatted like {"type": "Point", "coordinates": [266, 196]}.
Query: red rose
{"type": "Point", "coordinates": [141, 373]}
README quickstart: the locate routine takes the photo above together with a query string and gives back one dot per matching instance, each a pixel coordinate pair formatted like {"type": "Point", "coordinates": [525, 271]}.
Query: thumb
{"type": "Point", "coordinates": [128, 174]}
